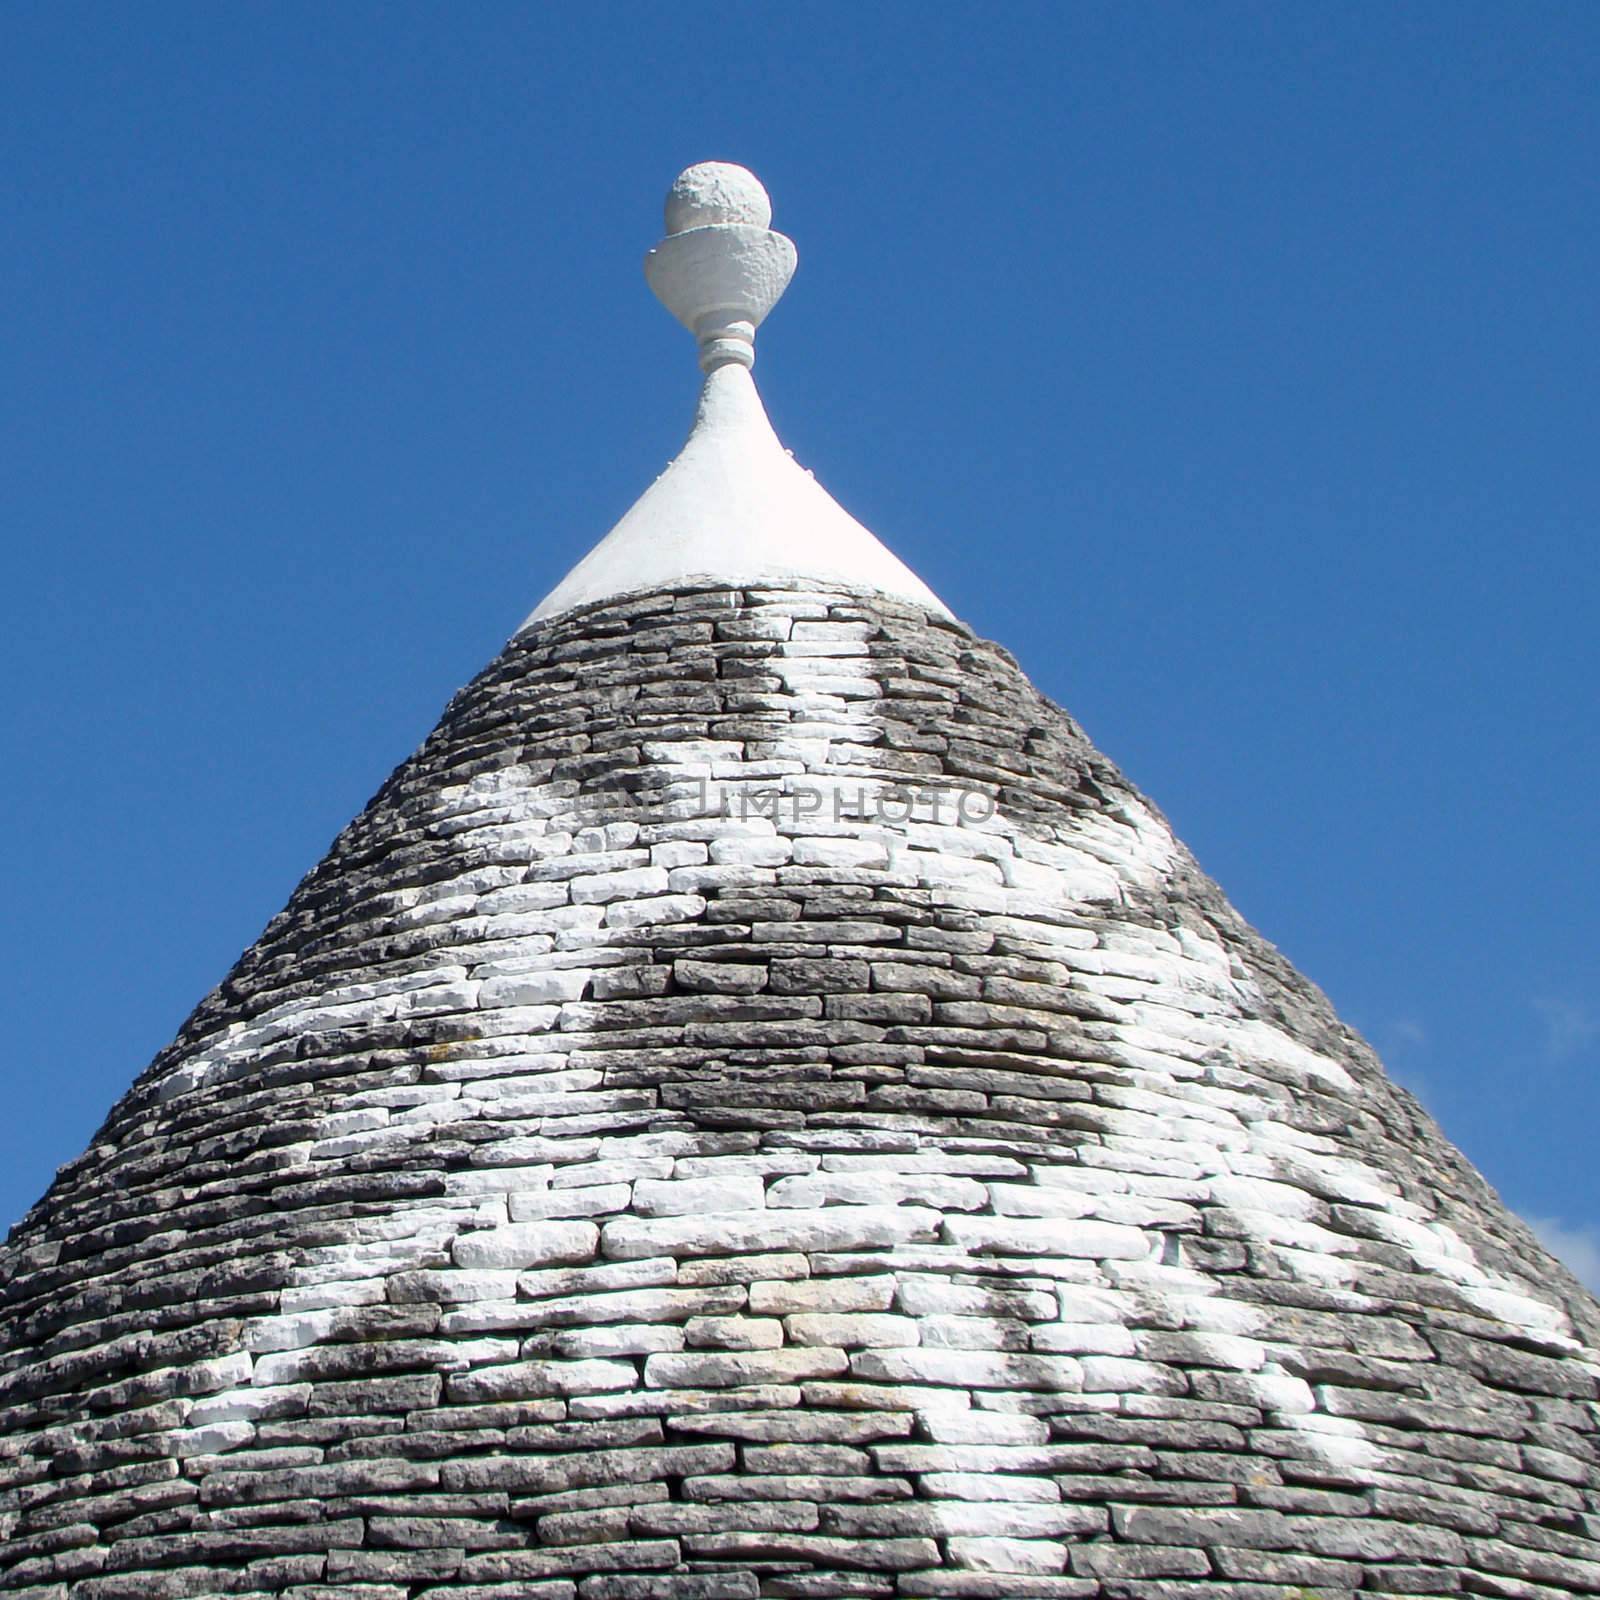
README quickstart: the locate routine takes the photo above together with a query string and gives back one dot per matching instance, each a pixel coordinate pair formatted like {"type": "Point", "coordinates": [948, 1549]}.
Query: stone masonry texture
{"type": "Point", "coordinates": [758, 1106]}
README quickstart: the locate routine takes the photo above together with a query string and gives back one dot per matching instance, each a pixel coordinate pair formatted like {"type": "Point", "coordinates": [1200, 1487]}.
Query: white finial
{"type": "Point", "coordinates": [720, 269]}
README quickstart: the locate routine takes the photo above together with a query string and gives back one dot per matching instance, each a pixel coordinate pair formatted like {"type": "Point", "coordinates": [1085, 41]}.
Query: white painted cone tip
{"type": "Point", "coordinates": [734, 507]}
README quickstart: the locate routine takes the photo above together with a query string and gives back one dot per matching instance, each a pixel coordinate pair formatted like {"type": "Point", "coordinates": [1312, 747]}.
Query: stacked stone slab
{"type": "Point", "coordinates": [758, 1106]}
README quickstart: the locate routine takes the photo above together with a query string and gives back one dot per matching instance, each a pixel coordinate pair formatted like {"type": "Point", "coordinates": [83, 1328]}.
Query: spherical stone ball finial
{"type": "Point", "coordinates": [712, 192]}
{"type": "Point", "coordinates": [721, 268]}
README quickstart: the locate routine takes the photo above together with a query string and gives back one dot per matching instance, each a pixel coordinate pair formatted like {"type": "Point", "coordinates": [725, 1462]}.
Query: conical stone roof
{"type": "Point", "coordinates": [759, 1106]}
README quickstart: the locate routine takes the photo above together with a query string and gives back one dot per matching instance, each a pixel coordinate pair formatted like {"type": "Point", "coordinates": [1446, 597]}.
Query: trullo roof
{"type": "Point", "coordinates": [758, 1106]}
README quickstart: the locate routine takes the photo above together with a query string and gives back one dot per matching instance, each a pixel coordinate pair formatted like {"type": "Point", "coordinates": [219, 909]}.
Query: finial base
{"type": "Point", "coordinates": [720, 281]}
{"type": "Point", "coordinates": [736, 344]}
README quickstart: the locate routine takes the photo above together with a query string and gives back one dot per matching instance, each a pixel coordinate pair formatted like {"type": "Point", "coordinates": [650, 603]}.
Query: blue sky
{"type": "Point", "coordinates": [1233, 364]}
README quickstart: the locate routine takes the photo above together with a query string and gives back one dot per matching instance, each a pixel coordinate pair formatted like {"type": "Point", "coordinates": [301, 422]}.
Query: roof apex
{"type": "Point", "coordinates": [734, 506]}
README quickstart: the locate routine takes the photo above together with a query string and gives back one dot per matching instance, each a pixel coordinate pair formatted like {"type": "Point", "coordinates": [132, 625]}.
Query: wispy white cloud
{"type": "Point", "coordinates": [1403, 1044]}
{"type": "Point", "coordinates": [1570, 1026]}
{"type": "Point", "coordinates": [1578, 1246]}
{"type": "Point", "coordinates": [1407, 1034]}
